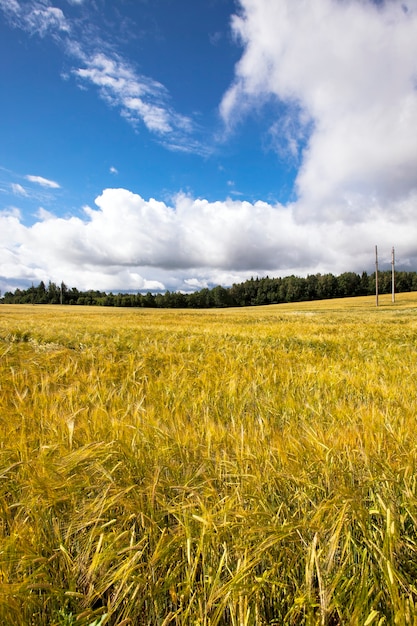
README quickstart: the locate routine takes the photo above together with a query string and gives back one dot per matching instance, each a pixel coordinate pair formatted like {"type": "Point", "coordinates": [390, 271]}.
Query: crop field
{"type": "Point", "coordinates": [253, 466]}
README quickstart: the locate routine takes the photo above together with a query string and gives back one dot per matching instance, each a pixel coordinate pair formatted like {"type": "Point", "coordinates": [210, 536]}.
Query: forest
{"type": "Point", "coordinates": [253, 292]}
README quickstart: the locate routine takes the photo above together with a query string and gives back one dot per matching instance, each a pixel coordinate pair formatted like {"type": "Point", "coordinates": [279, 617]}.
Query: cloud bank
{"type": "Point", "coordinates": [129, 243]}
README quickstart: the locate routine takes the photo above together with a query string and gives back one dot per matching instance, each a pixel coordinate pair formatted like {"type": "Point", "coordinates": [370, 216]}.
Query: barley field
{"type": "Point", "coordinates": [223, 467]}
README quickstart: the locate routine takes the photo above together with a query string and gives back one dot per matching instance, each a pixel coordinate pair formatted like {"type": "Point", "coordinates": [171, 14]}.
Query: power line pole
{"type": "Point", "coordinates": [376, 274]}
{"type": "Point", "coordinates": [393, 273]}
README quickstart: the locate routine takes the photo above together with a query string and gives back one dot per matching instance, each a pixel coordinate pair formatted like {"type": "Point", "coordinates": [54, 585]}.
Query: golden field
{"type": "Point", "coordinates": [221, 467]}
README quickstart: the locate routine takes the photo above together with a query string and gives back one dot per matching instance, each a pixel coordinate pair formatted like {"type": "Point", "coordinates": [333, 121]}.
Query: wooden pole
{"type": "Point", "coordinates": [393, 273]}
{"type": "Point", "coordinates": [376, 275]}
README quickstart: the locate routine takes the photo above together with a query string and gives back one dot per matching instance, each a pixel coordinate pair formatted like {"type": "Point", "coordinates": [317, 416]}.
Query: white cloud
{"type": "Point", "coordinates": [36, 17]}
{"type": "Point", "coordinates": [139, 98]}
{"type": "Point", "coordinates": [18, 189]}
{"type": "Point", "coordinates": [11, 212]}
{"type": "Point", "coordinates": [10, 7]}
{"type": "Point", "coordinates": [42, 19]}
{"type": "Point", "coordinates": [44, 215]}
{"type": "Point", "coordinates": [346, 72]}
{"type": "Point", "coordinates": [127, 242]}
{"type": "Point", "coordinates": [43, 182]}
{"type": "Point", "coordinates": [113, 170]}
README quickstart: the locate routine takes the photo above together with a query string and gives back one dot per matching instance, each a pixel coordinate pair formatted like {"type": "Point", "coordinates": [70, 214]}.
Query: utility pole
{"type": "Point", "coordinates": [376, 274]}
{"type": "Point", "coordinates": [393, 273]}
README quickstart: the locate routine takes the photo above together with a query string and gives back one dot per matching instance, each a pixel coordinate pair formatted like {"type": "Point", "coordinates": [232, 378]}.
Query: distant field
{"type": "Point", "coordinates": [238, 467]}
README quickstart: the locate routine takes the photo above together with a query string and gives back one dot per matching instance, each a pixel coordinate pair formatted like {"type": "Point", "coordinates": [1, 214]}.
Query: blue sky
{"type": "Point", "coordinates": [169, 144]}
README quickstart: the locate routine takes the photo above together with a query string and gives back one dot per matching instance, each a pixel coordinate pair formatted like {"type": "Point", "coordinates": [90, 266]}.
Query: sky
{"type": "Point", "coordinates": [153, 145]}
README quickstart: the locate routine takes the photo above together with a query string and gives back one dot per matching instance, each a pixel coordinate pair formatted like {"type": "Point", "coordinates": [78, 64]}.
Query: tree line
{"type": "Point", "coordinates": [253, 292]}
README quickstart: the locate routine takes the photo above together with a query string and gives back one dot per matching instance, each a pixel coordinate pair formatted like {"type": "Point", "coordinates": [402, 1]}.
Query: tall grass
{"type": "Point", "coordinates": [251, 466]}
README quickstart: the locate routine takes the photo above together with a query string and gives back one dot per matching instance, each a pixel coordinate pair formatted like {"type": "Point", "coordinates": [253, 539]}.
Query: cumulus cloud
{"type": "Point", "coordinates": [43, 182]}
{"type": "Point", "coordinates": [127, 242]}
{"type": "Point", "coordinates": [346, 73]}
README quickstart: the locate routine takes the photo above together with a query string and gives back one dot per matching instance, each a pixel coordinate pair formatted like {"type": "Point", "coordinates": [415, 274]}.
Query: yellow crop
{"type": "Point", "coordinates": [221, 467]}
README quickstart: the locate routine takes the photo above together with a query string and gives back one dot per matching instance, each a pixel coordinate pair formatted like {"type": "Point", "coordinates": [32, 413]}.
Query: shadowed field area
{"type": "Point", "coordinates": [236, 466]}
